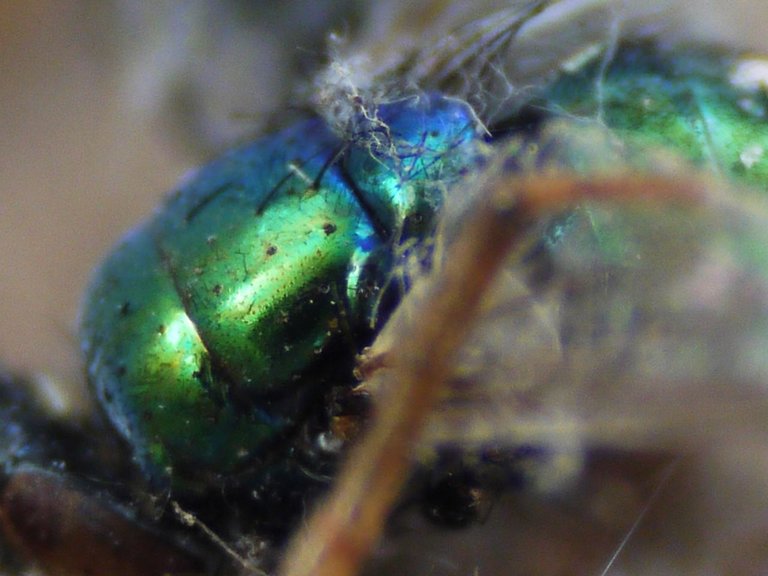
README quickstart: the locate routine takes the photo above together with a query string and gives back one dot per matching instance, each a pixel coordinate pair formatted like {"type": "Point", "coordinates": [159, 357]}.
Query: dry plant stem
{"type": "Point", "coordinates": [339, 535]}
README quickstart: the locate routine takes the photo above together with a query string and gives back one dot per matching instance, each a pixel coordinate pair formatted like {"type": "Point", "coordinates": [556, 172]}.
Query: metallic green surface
{"type": "Point", "coordinates": [687, 100]}
{"type": "Point", "coordinates": [645, 108]}
{"type": "Point", "coordinates": [213, 330]}
{"type": "Point", "coordinates": [206, 330]}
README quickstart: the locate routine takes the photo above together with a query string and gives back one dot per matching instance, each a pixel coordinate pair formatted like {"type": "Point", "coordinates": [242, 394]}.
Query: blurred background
{"type": "Point", "coordinates": [105, 104]}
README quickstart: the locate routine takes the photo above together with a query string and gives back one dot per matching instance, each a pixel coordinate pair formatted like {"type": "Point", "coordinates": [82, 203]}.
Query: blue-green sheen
{"type": "Point", "coordinates": [683, 100]}
{"type": "Point", "coordinates": [686, 103]}
{"type": "Point", "coordinates": [206, 328]}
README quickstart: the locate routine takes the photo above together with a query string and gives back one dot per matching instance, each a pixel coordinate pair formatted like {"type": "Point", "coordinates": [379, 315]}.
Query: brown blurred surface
{"type": "Point", "coordinates": [77, 167]}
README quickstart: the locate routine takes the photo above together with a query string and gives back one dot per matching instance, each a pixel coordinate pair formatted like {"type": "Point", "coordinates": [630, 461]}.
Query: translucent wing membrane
{"type": "Point", "coordinates": [633, 324]}
{"type": "Point", "coordinates": [629, 318]}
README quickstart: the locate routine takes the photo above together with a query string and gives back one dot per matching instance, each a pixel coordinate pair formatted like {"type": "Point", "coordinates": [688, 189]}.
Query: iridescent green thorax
{"type": "Point", "coordinates": [216, 327]}
{"type": "Point", "coordinates": [690, 100]}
